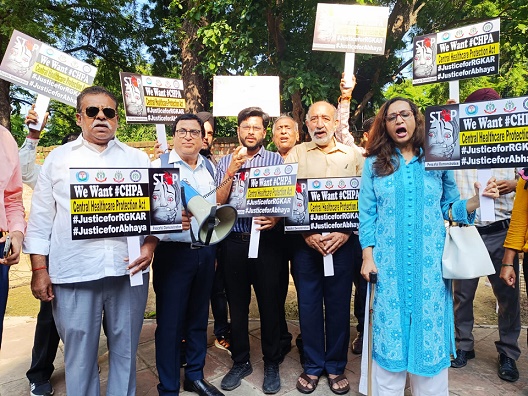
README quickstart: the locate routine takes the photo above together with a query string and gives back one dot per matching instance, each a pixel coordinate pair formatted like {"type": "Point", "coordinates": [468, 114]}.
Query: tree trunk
{"type": "Point", "coordinates": [298, 114]}
{"type": "Point", "coordinates": [195, 84]}
{"type": "Point", "coordinates": [5, 104]}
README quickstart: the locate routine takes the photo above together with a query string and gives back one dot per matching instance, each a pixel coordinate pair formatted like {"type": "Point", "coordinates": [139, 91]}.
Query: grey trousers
{"type": "Point", "coordinates": [507, 298]}
{"type": "Point", "coordinates": [78, 309]}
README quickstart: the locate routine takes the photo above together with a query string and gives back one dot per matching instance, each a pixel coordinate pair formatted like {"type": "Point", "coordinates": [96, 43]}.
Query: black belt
{"type": "Point", "coordinates": [494, 227]}
{"type": "Point", "coordinates": [178, 245]}
{"type": "Point", "coordinates": [240, 236]}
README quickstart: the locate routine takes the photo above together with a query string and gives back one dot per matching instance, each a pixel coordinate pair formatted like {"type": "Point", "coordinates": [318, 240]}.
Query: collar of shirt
{"type": "Point", "coordinates": [312, 146]}
{"type": "Point", "coordinates": [174, 158]}
{"type": "Point", "coordinates": [81, 141]}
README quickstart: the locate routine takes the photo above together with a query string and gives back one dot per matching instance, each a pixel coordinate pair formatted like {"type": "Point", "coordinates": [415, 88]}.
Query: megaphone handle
{"type": "Point", "coordinates": [211, 221]}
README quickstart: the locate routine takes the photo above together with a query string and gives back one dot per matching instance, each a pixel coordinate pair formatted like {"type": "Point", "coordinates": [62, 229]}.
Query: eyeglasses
{"type": "Point", "coordinates": [404, 114]}
{"type": "Point", "coordinates": [93, 111]}
{"type": "Point", "coordinates": [247, 128]}
{"type": "Point", "coordinates": [195, 133]}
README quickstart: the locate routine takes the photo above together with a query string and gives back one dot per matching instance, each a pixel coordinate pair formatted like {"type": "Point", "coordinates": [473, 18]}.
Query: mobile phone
{"type": "Point", "coordinates": [7, 246]}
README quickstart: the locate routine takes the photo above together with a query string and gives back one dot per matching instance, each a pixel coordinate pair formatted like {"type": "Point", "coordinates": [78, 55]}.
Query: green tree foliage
{"type": "Point", "coordinates": [105, 33]}
{"type": "Point", "coordinates": [196, 40]}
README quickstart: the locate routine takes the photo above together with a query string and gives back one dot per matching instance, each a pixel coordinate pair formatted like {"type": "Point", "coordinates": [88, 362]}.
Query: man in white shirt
{"type": "Point", "coordinates": [88, 279]}
{"type": "Point", "coordinates": [46, 340]}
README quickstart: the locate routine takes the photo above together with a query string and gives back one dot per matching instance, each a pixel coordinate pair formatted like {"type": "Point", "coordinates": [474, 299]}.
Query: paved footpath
{"type": "Point", "coordinates": [478, 378]}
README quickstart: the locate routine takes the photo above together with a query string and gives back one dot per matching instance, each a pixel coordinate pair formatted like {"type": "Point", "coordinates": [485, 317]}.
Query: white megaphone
{"type": "Point", "coordinates": [215, 222]}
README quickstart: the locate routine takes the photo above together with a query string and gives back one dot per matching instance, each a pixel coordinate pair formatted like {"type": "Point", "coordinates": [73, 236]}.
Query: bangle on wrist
{"type": "Point", "coordinates": [506, 265]}
{"type": "Point", "coordinates": [343, 98]}
{"type": "Point", "coordinates": [38, 269]}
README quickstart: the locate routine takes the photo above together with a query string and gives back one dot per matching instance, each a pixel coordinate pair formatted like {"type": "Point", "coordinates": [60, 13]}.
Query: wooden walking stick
{"type": "Point", "coordinates": [373, 280]}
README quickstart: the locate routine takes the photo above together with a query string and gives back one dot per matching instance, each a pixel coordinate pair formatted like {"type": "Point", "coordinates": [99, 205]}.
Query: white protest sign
{"type": "Point", "coordinates": [234, 93]}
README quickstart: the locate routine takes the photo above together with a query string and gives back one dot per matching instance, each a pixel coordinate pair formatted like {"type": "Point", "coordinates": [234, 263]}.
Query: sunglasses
{"type": "Point", "coordinates": [93, 111]}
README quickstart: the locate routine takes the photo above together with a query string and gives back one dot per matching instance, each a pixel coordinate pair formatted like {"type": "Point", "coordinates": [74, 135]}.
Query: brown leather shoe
{"type": "Point", "coordinates": [357, 344]}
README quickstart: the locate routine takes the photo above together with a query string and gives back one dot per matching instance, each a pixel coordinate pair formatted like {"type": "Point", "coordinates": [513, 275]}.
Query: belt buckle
{"type": "Point", "coordinates": [246, 237]}
{"type": "Point", "coordinates": [197, 245]}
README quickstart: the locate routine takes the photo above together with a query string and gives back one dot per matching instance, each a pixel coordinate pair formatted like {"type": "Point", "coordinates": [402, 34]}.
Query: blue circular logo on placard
{"type": "Point", "coordinates": [82, 176]}
{"type": "Point", "coordinates": [135, 175]}
{"type": "Point", "coordinates": [471, 110]}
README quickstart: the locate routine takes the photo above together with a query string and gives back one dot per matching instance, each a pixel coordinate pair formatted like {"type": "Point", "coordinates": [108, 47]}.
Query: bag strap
{"type": "Point", "coordinates": [164, 160]}
{"type": "Point", "coordinates": [453, 223]}
{"type": "Point", "coordinates": [208, 166]}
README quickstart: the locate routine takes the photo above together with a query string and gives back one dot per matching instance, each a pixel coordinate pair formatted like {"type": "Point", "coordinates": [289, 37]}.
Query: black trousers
{"type": "Point", "coordinates": [219, 304]}
{"type": "Point", "coordinates": [263, 273]}
{"type": "Point", "coordinates": [284, 283]}
{"type": "Point", "coordinates": [45, 345]}
{"type": "Point", "coordinates": [182, 280]}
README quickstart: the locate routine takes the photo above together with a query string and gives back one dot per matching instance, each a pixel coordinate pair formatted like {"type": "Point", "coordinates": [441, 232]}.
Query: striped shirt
{"type": "Point", "coordinates": [262, 158]}
{"type": "Point", "coordinates": [465, 179]}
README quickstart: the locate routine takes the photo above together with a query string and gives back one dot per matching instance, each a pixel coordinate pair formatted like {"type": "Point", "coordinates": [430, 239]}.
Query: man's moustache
{"type": "Point", "coordinates": [101, 123]}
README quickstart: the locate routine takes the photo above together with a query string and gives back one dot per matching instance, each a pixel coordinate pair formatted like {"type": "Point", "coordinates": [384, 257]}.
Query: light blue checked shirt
{"type": "Point", "coordinates": [262, 158]}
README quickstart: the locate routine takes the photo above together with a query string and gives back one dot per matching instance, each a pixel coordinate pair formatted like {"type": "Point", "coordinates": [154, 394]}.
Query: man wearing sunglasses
{"type": "Point", "coordinates": [46, 340]}
{"type": "Point", "coordinates": [88, 279]}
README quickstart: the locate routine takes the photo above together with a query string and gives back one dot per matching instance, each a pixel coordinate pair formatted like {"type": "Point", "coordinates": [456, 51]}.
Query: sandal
{"type": "Point", "coordinates": [311, 381]}
{"type": "Point", "coordinates": [334, 381]}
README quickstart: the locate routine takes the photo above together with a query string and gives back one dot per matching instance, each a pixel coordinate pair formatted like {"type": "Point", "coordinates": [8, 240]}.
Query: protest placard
{"type": "Point", "coordinates": [234, 93]}
{"type": "Point", "coordinates": [456, 54]}
{"type": "Point", "coordinates": [264, 191]}
{"type": "Point", "coordinates": [43, 69]}
{"type": "Point", "coordinates": [150, 99]}
{"type": "Point", "coordinates": [479, 135]}
{"type": "Point", "coordinates": [325, 205]}
{"type": "Point", "coordinates": [112, 202]}
{"type": "Point", "coordinates": [350, 28]}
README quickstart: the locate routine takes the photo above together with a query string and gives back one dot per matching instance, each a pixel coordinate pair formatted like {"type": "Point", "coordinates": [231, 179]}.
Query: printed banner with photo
{"type": "Point", "coordinates": [112, 202]}
{"type": "Point", "coordinates": [350, 28]}
{"type": "Point", "coordinates": [234, 93]}
{"type": "Point", "coordinates": [40, 68]}
{"type": "Point", "coordinates": [479, 135]}
{"type": "Point", "coordinates": [264, 191]}
{"type": "Point", "coordinates": [465, 52]}
{"type": "Point", "coordinates": [325, 205]}
{"type": "Point", "coordinates": [151, 100]}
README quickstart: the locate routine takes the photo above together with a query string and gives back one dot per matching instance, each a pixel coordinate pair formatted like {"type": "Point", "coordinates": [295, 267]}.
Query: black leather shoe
{"type": "Point", "coordinates": [202, 387]}
{"type": "Point", "coordinates": [234, 377]}
{"type": "Point", "coordinates": [507, 368]}
{"type": "Point", "coordinates": [271, 383]}
{"type": "Point", "coordinates": [462, 358]}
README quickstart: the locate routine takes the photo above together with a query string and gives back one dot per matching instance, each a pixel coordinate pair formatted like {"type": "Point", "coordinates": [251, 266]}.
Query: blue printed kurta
{"type": "Point", "coordinates": [402, 217]}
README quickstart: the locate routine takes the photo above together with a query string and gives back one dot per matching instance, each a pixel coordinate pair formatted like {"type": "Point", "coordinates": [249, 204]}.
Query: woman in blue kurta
{"type": "Point", "coordinates": [402, 210]}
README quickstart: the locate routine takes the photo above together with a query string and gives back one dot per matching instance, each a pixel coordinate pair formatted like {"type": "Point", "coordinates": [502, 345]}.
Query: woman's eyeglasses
{"type": "Point", "coordinates": [92, 112]}
{"type": "Point", "coordinates": [404, 114]}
